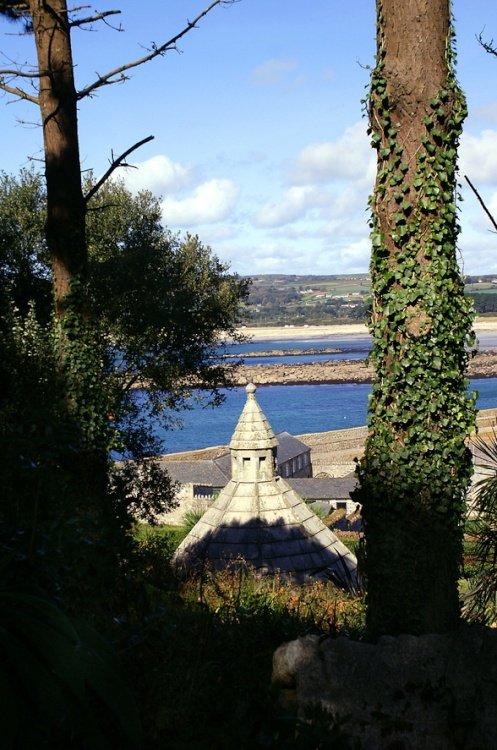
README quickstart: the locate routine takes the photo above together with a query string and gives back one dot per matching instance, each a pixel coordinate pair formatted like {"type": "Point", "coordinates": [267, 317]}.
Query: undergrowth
{"type": "Point", "coordinates": [200, 652]}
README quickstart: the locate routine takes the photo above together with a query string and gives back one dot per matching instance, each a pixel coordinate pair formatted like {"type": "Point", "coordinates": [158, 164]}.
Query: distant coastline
{"type": "Point", "coordinates": [276, 333]}
{"type": "Point", "coordinates": [483, 365]}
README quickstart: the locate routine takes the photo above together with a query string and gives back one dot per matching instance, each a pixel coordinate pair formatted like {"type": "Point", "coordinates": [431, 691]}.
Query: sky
{"type": "Point", "coordinates": [260, 141]}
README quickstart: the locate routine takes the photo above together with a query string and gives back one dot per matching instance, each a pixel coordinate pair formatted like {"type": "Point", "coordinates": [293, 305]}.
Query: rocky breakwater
{"type": "Point", "coordinates": [483, 365]}
{"type": "Point", "coordinates": [285, 353]}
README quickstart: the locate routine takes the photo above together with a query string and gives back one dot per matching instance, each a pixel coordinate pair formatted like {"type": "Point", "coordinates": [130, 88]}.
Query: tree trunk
{"type": "Point", "coordinates": [65, 204]}
{"type": "Point", "coordinates": [416, 467]}
{"type": "Point", "coordinates": [78, 355]}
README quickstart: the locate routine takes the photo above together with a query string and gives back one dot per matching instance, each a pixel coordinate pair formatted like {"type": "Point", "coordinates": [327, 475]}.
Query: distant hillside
{"type": "Point", "coordinates": [291, 299]}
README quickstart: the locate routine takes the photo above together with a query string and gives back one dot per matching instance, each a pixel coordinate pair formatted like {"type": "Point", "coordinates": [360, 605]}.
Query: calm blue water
{"type": "Point", "coordinates": [294, 408]}
{"type": "Point", "coordinates": [299, 408]}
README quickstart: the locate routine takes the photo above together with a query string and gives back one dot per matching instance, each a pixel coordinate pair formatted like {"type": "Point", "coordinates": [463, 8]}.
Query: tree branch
{"type": "Point", "coordinates": [21, 74]}
{"type": "Point", "coordinates": [487, 46]}
{"type": "Point", "coordinates": [92, 19]}
{"type": "Point", "coordinates": [480, 199]}
{"type": "Point", "coordinates": [116, 75]}
{"type": "Point", "coordinates": [114, 165]}
{"type": "Point", "coordinates": [18, 92]}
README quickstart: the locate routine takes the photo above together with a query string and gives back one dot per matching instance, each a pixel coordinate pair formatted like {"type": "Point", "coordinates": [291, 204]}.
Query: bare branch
{"type": "Point", "coordinates": [480, 199]}
{"type": "Point", "coordinates": [105, 207]}
{"type": "Point", "coordinates": [116, 75]}
{"type": "Point", "coordinates": [487, 46]}
{"type": "Point", "coordinates": [92, 19]}
{"type": "Point", "coordinates": [119, 162]}
{"type": "Point", "coordinates": [20, 74]}
{"type": "Point", "coordinates": [28, 124]}
{"type": "Point", "coordinates": [15, 91]}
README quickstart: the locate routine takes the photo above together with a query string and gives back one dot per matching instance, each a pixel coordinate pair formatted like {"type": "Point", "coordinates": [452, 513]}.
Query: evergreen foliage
{"type": "Point", "coordinates": [160, 307]}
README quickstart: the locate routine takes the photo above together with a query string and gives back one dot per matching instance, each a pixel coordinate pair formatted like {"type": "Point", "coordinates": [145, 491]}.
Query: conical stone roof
{"type": "Point", "coordinates": [253, 431]}
{"type": "Point", "coordinates": [259, 519]}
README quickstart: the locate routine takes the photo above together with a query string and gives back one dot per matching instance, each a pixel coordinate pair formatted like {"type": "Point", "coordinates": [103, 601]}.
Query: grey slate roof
{"type": "Point", "coordinates": [224, 464]}
{"type": "Point", "coordinates": [260, 519]}
{"type": "Point", "coordinates": [289, 447]}
{"type": "Point", "coordinates": [335, 488]}
{"type": "Point", "coordinates": [216, 472]}
{"type": "Point", "coordinates": [201, 471]}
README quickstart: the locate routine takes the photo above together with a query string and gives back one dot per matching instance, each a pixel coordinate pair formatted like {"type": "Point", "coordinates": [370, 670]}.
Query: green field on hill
{"type": "Point", "coordinates": [289, 299]}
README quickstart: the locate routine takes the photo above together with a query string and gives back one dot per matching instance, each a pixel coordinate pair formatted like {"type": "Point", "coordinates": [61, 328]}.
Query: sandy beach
{"type": "Point", "coordinates": [273, 333]}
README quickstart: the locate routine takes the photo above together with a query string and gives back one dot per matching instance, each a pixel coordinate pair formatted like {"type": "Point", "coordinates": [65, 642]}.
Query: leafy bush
{"type": "Point", "coordinates": [192, 517]}
{"type": "Point", "coordinates": [202, 647]}
{"type": "Point", "coordinates": [481, 602]}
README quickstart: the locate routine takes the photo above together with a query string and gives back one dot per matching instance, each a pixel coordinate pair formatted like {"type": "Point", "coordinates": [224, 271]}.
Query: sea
{"type": "Point", "coordinates": [298, 409]}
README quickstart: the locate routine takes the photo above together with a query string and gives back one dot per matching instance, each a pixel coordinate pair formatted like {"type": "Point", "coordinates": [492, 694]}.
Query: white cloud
{"type": "Point", "coordinates": [487, 112]}
{"type": "Point", "coordinates": [478, 252]}
{"type": "Point", "coordinates": [211, 201]}
{"type": "Point", "coordinates": [349, 157]}
{"type": "Point", "coordinates": [354, 257]}
{"type": "Point", "coordinates": [478, 157]}
{"type": "Point", "coordinates": [492, 207]}
{"type": "Point", "coordinates": [349, 205]}
{"type": "Point", "coordinates": [473, 217]}
{"type": "Point", "coordinates": [272, 71]}
{"type": "Point", "coordinates": [157, 174]}
{"type": "Point", "coordinates": [219, 233]}
{"type": "Point", "coordinates": [295, 204]}
{"type": "Point", "coordinates": [267, 256]}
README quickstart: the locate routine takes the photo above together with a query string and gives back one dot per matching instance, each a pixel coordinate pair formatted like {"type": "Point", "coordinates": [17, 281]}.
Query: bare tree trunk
{"type": "Point", "coordinates": [57, 97]}
{"type": "Point", "coordinates": [77, 352]}
{"type": "Point", "coordinates": [416, 466]}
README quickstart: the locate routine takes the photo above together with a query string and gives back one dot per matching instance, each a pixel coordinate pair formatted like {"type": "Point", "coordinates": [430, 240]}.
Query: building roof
{"type": "Point", "coordinates": [216, 472]}
{"type": "Point", "coordinates": [260, 519]}
{"type": "Point", "coordinates": [289, 447]}
{"type": "Point", "coordinates": [203, 471]}
{"type": "Point", "coordinates": [334, 488]}
{"type": "Point", "coordinates": [253, 431]}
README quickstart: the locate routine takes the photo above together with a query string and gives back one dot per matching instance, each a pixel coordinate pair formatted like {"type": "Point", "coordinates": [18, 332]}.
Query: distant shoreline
{"type": "Point", "coordinates": [275, 333]}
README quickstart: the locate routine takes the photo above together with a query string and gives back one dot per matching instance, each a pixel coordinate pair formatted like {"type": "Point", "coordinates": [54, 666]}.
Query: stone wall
{"type": "Point", "coordinates": [433, 692]}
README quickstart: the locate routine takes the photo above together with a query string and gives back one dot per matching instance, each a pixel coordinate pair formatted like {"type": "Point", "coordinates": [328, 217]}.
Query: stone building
{"type": "Point", "coordinates": [260, 519]}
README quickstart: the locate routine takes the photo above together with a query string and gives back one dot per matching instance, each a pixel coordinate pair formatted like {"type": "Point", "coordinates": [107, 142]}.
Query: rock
{"type": "Point", "coordinates": [432, 692]}
{"type": "Point", "coordinates": [483, 365]}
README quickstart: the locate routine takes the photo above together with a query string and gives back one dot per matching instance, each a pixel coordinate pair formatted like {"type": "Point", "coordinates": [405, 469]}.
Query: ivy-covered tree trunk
{"type": "Point", "coordinates": [416, 468]}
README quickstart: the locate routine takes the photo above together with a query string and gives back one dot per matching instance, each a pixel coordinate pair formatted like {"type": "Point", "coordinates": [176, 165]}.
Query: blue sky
{"type": "Point", "coordinates": [260, 145]}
